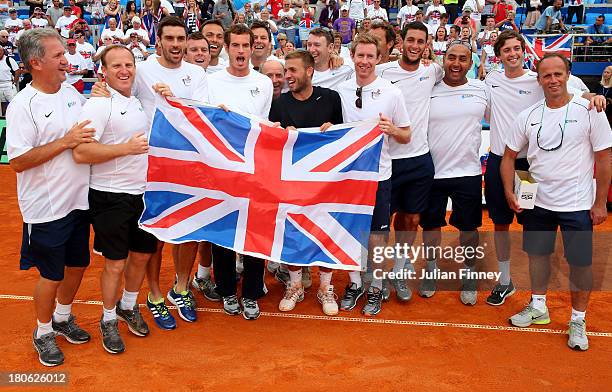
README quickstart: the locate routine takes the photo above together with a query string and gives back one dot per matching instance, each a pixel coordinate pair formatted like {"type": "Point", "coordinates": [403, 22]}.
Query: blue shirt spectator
{"type": "Point", "coordinates": [550, 16]}
{"type": "Point", "coordinates": [598, 27]}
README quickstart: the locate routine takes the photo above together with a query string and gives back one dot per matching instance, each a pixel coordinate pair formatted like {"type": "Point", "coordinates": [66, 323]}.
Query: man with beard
{"type": "Point", "coordinates": [321, 44]}
{"type": "Point", "coordinates": [213, 31]}
{"type": "Point", "coordinates": [239, 88]}
{"type": "Point", "coordinates": [305, 106]}
{"type": "Point", "coordinates": [376, 98]}
{"type": "Point", "coordinates": [413, 168]}
{"type": "Point", "coordinates": [168, 75]}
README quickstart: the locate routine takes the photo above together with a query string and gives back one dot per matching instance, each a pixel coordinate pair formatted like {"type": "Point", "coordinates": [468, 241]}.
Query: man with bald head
{"type": "Point", "coordinates": [276, 72]}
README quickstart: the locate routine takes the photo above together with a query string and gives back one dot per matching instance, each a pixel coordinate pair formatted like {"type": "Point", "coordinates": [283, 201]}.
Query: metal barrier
{"type": "Point", "coordinates": [595, 52]}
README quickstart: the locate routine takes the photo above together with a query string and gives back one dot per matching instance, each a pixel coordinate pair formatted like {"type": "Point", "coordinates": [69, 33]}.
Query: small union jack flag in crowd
{"type": "Point", "coordinates": [537, 47]}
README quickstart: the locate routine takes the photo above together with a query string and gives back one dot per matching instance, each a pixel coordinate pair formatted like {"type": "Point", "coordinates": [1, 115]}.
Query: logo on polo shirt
{"type": "Point", "coordinates": [255, 91]}
{"type": "Point", "coordinates": [187, 80]}
{"type": "Point", "coordinates": [464, 96]}
{"type": "Point", "coordinates": [376, 94]}
{"type": "Point", "coordinates": [524, 92]}
{"type": "Point", "coordinates": [50, 113]}
{"type": "Point", "coordinates": [571, 121]}
{"type": "Point", "coordinates": [71, 104]}
{"type": "Point", "coordinates": [423, 78]}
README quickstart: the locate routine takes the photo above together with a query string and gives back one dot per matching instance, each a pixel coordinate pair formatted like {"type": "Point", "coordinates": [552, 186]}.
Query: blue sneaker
{"type": "Point", "coordinates": [161, 315]}
{"type": "Point", "coordinates": [185, 304]}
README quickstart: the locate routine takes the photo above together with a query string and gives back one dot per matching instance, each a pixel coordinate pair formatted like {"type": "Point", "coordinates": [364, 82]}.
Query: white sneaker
{"type": "Point", "coordinates": [578, 339]}
{"type": "Point", "coordinates": [328, 298]}
{"type": "Point", "coordinates": [293, 295]}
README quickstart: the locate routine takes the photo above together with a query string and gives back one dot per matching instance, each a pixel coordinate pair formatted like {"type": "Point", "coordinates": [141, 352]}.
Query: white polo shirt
{"type": "Point", "coordinates": [455, 132]}
{"type": "Point", "coordinates": [221, 65]}
{"type": "Point", "coordinates": [332, 77]}
{"type": "Point", "coordinates": [87, 51]}
{"type": "Point", "coordinates": [116, 120]}
{"type": "Point", "coordinates": [6, 76]}
{"type": "Point", "coordinates": [251, 94]}
{"type": "Point", "coordinates": [416, 87]}
{"type": "Point", "coordinates": [52, 190]}
{"type": "Point", "coordinates": [565, 175]}
{"type": "Point", "coordinates": [380, 96]}
{"type": "Point", "coordinates": [187, 81]}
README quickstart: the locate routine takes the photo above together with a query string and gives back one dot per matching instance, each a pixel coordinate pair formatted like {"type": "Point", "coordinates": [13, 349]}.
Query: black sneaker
{"type": "Point", "coordinates": [500, 293]}
{"type": "Point", "coordinates": [350, 297]}
{"type": "Point", "coordinates": [48, 352]}
{"type": "Point", "coordinates": [133, 319]}
{"type": "Point", "coordinates": [373, 306]}
{"type": "Point", "coordinates": [71, 331]}
{"type": "Point", "coordinates": [111, 341]}
{"type": "Point", "coordinates": [206, 287]}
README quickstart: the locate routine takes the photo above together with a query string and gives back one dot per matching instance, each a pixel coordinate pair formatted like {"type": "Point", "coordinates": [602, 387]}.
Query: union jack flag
{"type": "Point", "coordinates": [537, 47]}
{"type": "Point", "coordinates": [298, 197]}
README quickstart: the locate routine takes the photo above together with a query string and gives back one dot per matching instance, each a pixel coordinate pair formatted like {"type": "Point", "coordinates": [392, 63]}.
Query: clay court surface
{"type": "Point", "coordinates": [434, 344]}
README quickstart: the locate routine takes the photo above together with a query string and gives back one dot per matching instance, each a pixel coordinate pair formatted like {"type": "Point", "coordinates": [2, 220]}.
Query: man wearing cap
{"type": "Point", "coordinates": [86, 50]}
{"type": "Point", "coordinates": [38, 19]}
{"type": "Point", "coordinates": [63, 22]}
{"type": "Point", "coordinates": [138, 49]}
{"type": "Point", "coordinates": [139, 30]}
{"type": "Point", "coordinates": [345, 25]}
{"type": "Point", "coordinates": [54, 12]}
{"type": "Point", "coordinates": [465, 19]}
{"type": "Point", "coordinates": [14, 24]}
{"type": "Point", "coordinates": [77, 66]}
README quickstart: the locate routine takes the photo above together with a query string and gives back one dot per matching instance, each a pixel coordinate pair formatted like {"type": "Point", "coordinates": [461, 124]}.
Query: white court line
{"type": "Point", "coordinates": [360, 320]}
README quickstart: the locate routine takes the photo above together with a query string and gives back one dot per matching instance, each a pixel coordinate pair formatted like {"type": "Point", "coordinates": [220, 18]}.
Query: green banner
{"type": "Point", "coordinates": [4, 156]}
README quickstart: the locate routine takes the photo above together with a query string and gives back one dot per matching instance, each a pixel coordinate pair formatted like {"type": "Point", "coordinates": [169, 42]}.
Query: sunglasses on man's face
{"type": "Point", "coordinates": [358, 101]}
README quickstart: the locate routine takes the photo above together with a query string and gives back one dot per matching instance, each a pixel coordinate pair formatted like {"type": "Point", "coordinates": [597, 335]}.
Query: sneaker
{"type": "Point", "coordinates": [71, 331]}
{"type": "Point", "coordinates": [500, 293]}
{"type": "Point", "coordinates": [427, 288]}
{"type": "Point", "coordinates": [206, 287]}
{"type": "Point", "coordinates": [250, 309]}
{"type": "Point", "coordinates": [282, 277]}
{"type": "Point", "coordinates": [402, 291]}
{"type": "Point", "coordinates": [530, 315]}
{"type": "Point", "coordinates": [386, 290]}
{"type": "Point", "coordinates": [327, 298]}
{"type": "Point", "coordinates": [49, 354]}
{"type": "Point", "coordinates": [185, 304]}
{"type": "Point", "coordinates": [469, 292]}
{"type": "Point", "coordinates": [578, 339]}
{"type": "Point", "coordinates": [373, 305]}
{"type": "Point", "coordinates": [306, 278]}
{"type": "Point", "coordinates": [293, 295]}
{"type": "Point", "coordinates": [272, 266]}
{"type": "Point", "coordinates": [230, 305]}
{"type": "Point", "coordinates": [161, 315]}
{"type": "Point", "coordinates": [133, 319]}
{"type": "Point", "coordinates": [351, 296]}
{"type": "Point", "coordinates": [111, 341]}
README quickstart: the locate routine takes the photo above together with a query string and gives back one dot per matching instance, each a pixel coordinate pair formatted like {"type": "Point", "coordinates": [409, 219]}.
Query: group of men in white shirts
{"type": "Point", "coordinates": [101, 163]}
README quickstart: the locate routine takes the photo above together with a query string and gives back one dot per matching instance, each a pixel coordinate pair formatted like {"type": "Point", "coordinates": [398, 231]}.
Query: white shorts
{"type": "Point", "coordinates": [7, 93]}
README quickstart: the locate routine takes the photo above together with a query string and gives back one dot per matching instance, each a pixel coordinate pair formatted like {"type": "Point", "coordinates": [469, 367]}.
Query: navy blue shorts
{"type": "Point", "coordinates": [412, 179]}
{"type": "Point", "coordinates": [51, 246]}
{"type": "Point", "coordinates": [466, 195]}
{"type": "Point", "coordinates": [499, 211]}
{"type": "Point", "coordinates": [114, 217]}
{"type": "Point", "coordinates": [381, 217]}
{"type": "Point", "coordinates": [540, 233]}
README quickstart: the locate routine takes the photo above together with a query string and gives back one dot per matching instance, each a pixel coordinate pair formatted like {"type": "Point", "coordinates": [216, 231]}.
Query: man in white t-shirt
{"type": "Point", "coordinates": [407, 14]}
{"type": "Point", "coordinates": [213, 31]}
{"type": "Point", "coordinates": [433, 14]}
{"type": "Point", "coordinates": [39, 20]}
{"type": "Point", "coordinates": [357, 10]}
{"type": "Point", "coordinates": [27, 25]}
{"type": "Point", "coordinates": [13, 24]}
{"type": "Point", "coordinates": [368, 97]}
{"type": "Point", "coordinates": [376, 12]}
{"type": "Point", "coordinates": [77, 66]}
{"type": "Point", "coordinates": [168, 75]}
{"type": "Point", "coordinates": [113, 31]}
{"type": "Point", "coordinates": [321, 44]}
{"type": "Point", "coordinates": [240, 88]}
{"type": "Point", "coordinates": [86, 50]}
{"type": "Point", "coordinates": [413, 169]}
{"type": "Point", "coordinates": [42, 129]}
{"type": "Point", "coordinates": [483, 36]}
{"type": "Point", "coordinates": [9, 75]}
{"type": "Point", "coordinates": [117, 183]}
{"type": "Point", "coordinates": [143, 35]}
{"type": "Point", "coordinates": [138, 49]}
{"type": "Point", "coordinates": [556, 132]}
{"type": "Point", "coordinates": [454, 141]}
{"type": "Point", "coordinates": [511, 90]}
{"type": "Point", "coordinates": [262, 46]}
{"type": "Point", "coordinates": [64, 22]}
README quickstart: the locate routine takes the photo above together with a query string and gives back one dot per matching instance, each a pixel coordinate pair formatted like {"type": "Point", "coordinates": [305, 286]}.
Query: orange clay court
{"type": "Point", "coordinates": [435, 344]}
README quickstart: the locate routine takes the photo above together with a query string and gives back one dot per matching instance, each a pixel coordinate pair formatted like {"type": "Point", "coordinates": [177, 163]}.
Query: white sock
{"type": "Point", "coordinates": [109, 315]}
{"type": "Point", "coordinates": [128, 300]}
{"type": "Point", "coordinates": [376, 283]}
{"type": "Point", "coordinates": [43, 329]}
{"type": "Point", "coordinates": [504, 268]}
{"type": "Point", "coordinates": [203, 272]}
{"type": "Point", "coordinates": [62, 312]}
{"type": "Point", "coordinates": [578, 315]}
{"type": "Point", "coordinates": [431, 265]}
{"type": "Point", "coordinates": [295, 277]}
{"type": "Point", "coordinates": [355, 277]}
{"type": "Point", "coordinates": [538, 302]}
{"type": "Point", "coordinates": [400, 263]}
{"type": "Point", "coordinates": [324, 279]}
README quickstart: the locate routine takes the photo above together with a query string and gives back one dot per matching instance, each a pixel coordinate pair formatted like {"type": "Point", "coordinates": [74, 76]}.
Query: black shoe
{"type": "Point", "coordinates": [133, 319]}
{"type": "Point", "coordinates": [71, 331]}
{"type": "Point", "coordinates": [500, 293]}
{"type": "Point", "coordinates": [350, 297]}
{"type": "Point", "coordinates": [48, 352]}
{"type": "Point", "coordinates": [373, 305]}
{"type": "Point", "coordinates": [206, 287]}
{"type": "Point", "coordinates": [111, 341]}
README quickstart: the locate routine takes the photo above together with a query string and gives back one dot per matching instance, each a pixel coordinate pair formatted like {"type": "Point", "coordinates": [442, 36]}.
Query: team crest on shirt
{"type": "Point", "coordinates": [255, 92]}
{"type": "Point", "coordinates": [187, 80]}
{"type": "Point", "coordinates": [524, 92]}
{"type": "Point", "coordinates": [376, 94]}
